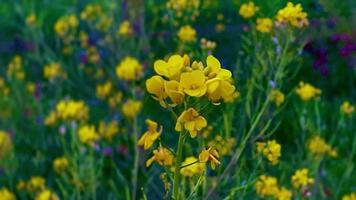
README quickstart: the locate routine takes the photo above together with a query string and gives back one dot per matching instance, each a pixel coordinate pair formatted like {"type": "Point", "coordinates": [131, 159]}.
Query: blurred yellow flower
{"type": "Point", "coordinates": [103, 90]}
{"type": "Point", "coordinates": [125, 29]}
{"type": "Point", "coordinates": [271, 150]}
{"type": "Point", "coordinates": [318, 147]}
{"type": "Point", "coordinates": [36, 183]}
{"type": "Point", "coordinates": [15, 68]}
{"type": "Point", "coordinates": [46, 195]}
{"type": "Point", "coordinates": [151, 135]}
{"type": "Point", "coordinates": [277, 97]}
{"type": "Point", "coordinates": [5, 144]}
{"type": "Point", "coordinates": [301, 178]}
{"type": "Point", "coordinates": [248, 10]}
{"type": "Point", "coordinates": [129, 69]}
{"type": "Point", "coordinates": [192, 166]}
{"type": "Point", "coordinates": [223, 146]}
{"type": "Point", "coordinates": [162, 156]}
{"type": "Point", "coordinates": [108, 130]}
{"type": "Point", "coordinates": [71, 110]}
{"type": "Point", "coordinates": [211, 155]}
{"type": "Point", "coordinates": [131, 108]}
{"type": "Point", "coordinates": [293, 14]}
{"type": "Point", "coordinates": [60, 164]}
{"type": "Point", "coordinates": [351, 196]}
{"type": "Point", "coordinates": [191, 121]}
{"type": "Point", "coordinates": [31, 19]}
{"type": "Point", "coordinates": [5, 194]}
{"type": "Point", "coordinates": [87, 134]}
{"type": "Point", "coordinates": [347, 108]}
{"type": "Point", "coordinates": [264, 25]}
{"type": "Point", "coordinates": [267, 186]}
{"type": "Point", "coordinates": [52, 71]}
{"type": "Point", "coordinates": [65, 24]}
{"type": "Point", "coordinates": [187, 34]}
{"type": "Point", "coordinates": [284, 194]}
{"type": "Point", "coordinates": [307, 92]}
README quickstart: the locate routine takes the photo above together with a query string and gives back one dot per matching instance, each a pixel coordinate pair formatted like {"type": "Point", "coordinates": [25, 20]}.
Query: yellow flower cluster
{"type": "Point", "coordinates": [187, 34]}
{"type": "Point", "coordinates": [103, 90]}
{"type": "Point", "coordinates": [271, 150]}
{"type": "Point", "coordinates": [125, 29]}
{"type": "Point", "coordinates": [52, 71]}
{"type": "Point", "coordinates": [88, 134]}
{"type": "Point", "coordinates": [248, 10]}
{"type": "Point", "coordinates": [65, 26]}
{"type": "Point", "coordinates": [184, 8]}
{"type": "Point", "coordinates": [307, 92]}
{"type": "Point", "coordinates": [5, 144]}
{"type": "Point", "coordinates": [4, 89]}
{"type": "Point", "coordinates": [301, 178]}
{"type": "Point", "coordinates": [108, 130]}
{"type": "Point", "coordinates": [264, 25]}
{"type": "Point", "coordinates": [46, 195]}
{"type": "Point", "coordinates": [68, 110]}
{"type": "Point", "coordinates": [191, 121]}
{"type": "Point", "coordinates": [6, 194]}
{"type": "Point", "coordinates": [192, 166]}
{"type": "Point", "coordinates": [60, 164]}
{"type": "Point", "coordinates": [277, 97]}
{"type": "Point", "coordinates": [131, 108]}
{"type": "Point", "coordinates": [267, 186]}
{"type": "Point", "coordinates": [162, 156]}
{"type": "Point", "coordinates": [223, 146]}
{"type": "Point", "coordinates": [151, 135]}
{"type": "Point", "coordinates": [318, 147]}
{"type": "Point", "coordinates": [351, 196]}
{"type": "Point", "coordinates": [190, 79]}
{"type": "Point", "coordinates": [211, 155]}
{"type": "Point", "coordinates": [129, 69]}
{"type": "Point", "coordinates": [293, 14]}
{"type": "Point", "coordinates": [36, 183]}
{"type": "Point", "coordinates": [93, 13]}
{"type": "Point", "coordinates": [15, 68]}
{"type": "Point", "coordinates": [347, 108]}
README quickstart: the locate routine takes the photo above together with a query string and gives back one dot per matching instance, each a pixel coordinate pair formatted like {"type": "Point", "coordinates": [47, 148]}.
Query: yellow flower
{"type": "Point", "coordinates": [174, 92]}
{"type": "Point", "coordinates": [211, 155]}
{"type": "Point", "coordinates": [162, 156]}
{"type": "Point", "coordinates": [30, 87]}
{"type": "Point", "coordinates": [271, 150]}
{"type": "Point", "coordinates": [191, 121]}
{"type": "Point", "coordinates": [131, 108]}
{"type": "Point", "coordinates": [31, 19]}
{"type": "Point", "coordinates": [293, 14]}
{"type": "Point", "coordinates": [72, 110]}
{"type": "Point", "coordinates": [21, 185]}
{"type": "Point", "coordinates": [193, 83]}
{"type": "Point", "coordinates": [301, 178]}
{"type": "Point", "coordinates": [15, 68]}
{"type": "Point", "coordinates": [60, 164]}
{"type": "Point", "coordinates": [351, 196]}
{"type": "Point", "coordinates": [187, 34]}
{"type": "Point", "coordinates": [46, 195]}
{"type": "Point", "coordinates": [266, 186]}
{"type": "Point", "coordinates": [248, 10]}
{"type": "Point", "coordinates": [103, 90]}
{"type": "Point", "coordinates": [115, 99]}
{"type": "Point", "coordinates": [284, 194]}
{"type": "Point", "coordinates": [5, 144]}
{"type": "Point", "coordinates": [52, 71]}
{"type": "Point", "coordinates": [151, 135]}
{"type": "Point", "coordinates": [36, 183]}
{"type": "Point", "coordinates": [125, 29]}
{"type": "Point", "coordinates": [87, 134]}
{"type": "Point", "coordinates": [191, 166]}
{"type": "Point", "coordinates": [65, 24]}
{"type": "Point", "coordinates": [347, 108]}
{"type": "Point", "coordinates": [172, 68]}
{"type": "Point", "coordinates": [307, 92]}
{"type": "Point", "coordinates": [155, 86]}
{"type": "Point", "coordinates": [264, 25]}
{"type": "Point", "coordinates": [5, 194]}
{"type": "Point", "coordinates": [129, 69]}
{"type": "Point", "coordinates": [277, 97]}
{"type": "Point", "coordinates": [108, 130]}
{"type": "Point", "coordinates": [319, 147]}
{"type": "Point", "coordinates": [50, 119]}
{"type": "Point", "coordinates": [223, 146]}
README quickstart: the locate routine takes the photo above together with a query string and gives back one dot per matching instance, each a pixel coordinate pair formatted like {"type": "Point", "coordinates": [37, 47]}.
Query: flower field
{"type": "Point", "coordinates": [177, 99]}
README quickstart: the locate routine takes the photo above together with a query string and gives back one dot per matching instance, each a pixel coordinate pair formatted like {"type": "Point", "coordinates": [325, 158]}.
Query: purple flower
{"type": "Point", "coordinates": [107, 151]}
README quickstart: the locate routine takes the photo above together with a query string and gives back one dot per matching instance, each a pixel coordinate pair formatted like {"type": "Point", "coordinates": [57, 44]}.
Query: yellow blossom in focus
{"type": "Point", "coordinates": [307, 92]}
{"type": "Point", "coordinates": [172, 68]}
{"type": "Point", "coordinates": [36, 183]}
{"type": "Point", "coordinates": [187, 34]}
{"type": "Point", "coordinates": [248, 10]}
{"type": "Point", "coordinates": [191, 121]}
{"type": "Point", "coordinates": [277, 97]}
{"type": "Point", "coordinates": [103, 90]}
{"type": "Point", "coordinates": [193, 83]}
{"type": "Point", "coordinates": [162, 156]}
{"type": "Point", "coordinates": [266, 186]}
{"type": "Point", "coordinates": [351, 196]}
{"type": "Point", "coordinates": [284, 194]}
{"type": "Point", "coordinates": [301, 178]}
{"type": "Point", "coordinates": [5, 194]}
{"type": "Point", "coordinates": [264, 25]}
{"type": "Point", "coordinates": [87, 134]}
{"type": "Point", "coordinates": [129, 69]}
{"type": "Point", "coordinates": [125, 29]}
{"type": "Point", "coordinates": [60, 164]}
{"type": "Point", "coordinates": [131, 108]}
{"type": "Point", "coordinates": [192, 166]}
{"type": "Point", "coordinates": [211, 155]}
{"type": "Point", "coordinates": [31, 19]}
{"type": "Point", "coordinates": [271, 150]}
{"type": "Point", "coordinates": [293, 14]}
{"type": "Point", "coordinates": [108, 130]}
{"type": "Point", "coordinates": [46, 195]}
{"type": "Point", "coordinates": [155, 86]}
{"type": "Point", "coordinates": [318, 147]}
{"type": "Point", "coordinates": [151, 135]}
{"type": "Point", "coordinates": [347, 108]}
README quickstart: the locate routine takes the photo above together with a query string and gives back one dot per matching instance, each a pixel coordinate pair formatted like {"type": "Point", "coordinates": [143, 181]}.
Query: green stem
{"type": "Point", "coordinates": [177, 166]}
{"type": "Point", "coordinates": [136, 161]}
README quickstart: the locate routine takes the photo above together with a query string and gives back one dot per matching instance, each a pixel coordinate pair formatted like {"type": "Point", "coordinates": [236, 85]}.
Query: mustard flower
{"type": "Point", "coordinates": [187, 34]}
{"type": "Point", "coordinates": [21, 185]}
{"type": "Point", "coordinates": [115, 99]}
{"type": "Point", "coordinates": [87, 134]}
{"type": "Point", "coordinates": [103, 90]}
{"type": "Point", "coordinates": [191, 166]}
{"type": "Point", "coordinates": [36, 183]}
{"type": "Point", "coordinates": [125, 29]}
{"type": "Point", "coordinates": [172, 68]}
{"type": "Point", "coordinates": [72, 110]}
{"type": "Point", "coordinates": [223, 146]}
{"type": "Point", "coordinates": [347, 108]}
{"type": "Point", "coordinates": [31, 19]}
{"type": "Point", "coordinates": [60, 164]}
{"type": "Point", "coordinates": [267, 186]}
{"type": "Point", "coordinates": [151, 135]}
{"type": "Point", "coordinates": [301, 178]}
{"type": "Point", "coordinates": [264, 25]}
{"type": "Point", "coordinates": [277, 97]}
{"type": "Point", "coordinates": [131, 108]}
{"type": "Point", "coordinates": [6, 194]}
{"type": "Point", "coordinates": [191, 121]}
{"type": "Point", "coordinates": [52, 71]}
{"type": "Point", "coordinates": [65, 24]}
{"type": "Point", "coordinates": [46, 195]}
{"type": "Point", "coordinates": [174, 91]}
{"type": "Point", "coordinates": [284, 194]}
{"type": "Point", "coordinates": [108, 130]}
{"type": "Point", "coordinates": [15, 68]}
{"type": "Point", "coordinates": [155, 86]}
{"type": "Point", "coordinates": [129, 69]}
{"type": "Point", "coordinates": [271, 150]}
{"type": "Point", "coordinates": [351, 196]}
{"type": "Point", "coordinates": [307, 92]}
{"type": "Point", "coordinates": [211, 155]}
{"type": "Point", "coordinates": [248, 10]}
{"type": "Point", "coordinates": [293, 14]}
{"type": "Point", "coordinates": [318, 147]}
{"type": "Point", "coordinates": [5, 144]}
{"type": "Point", "coordinates": [193, 83]}
{"type": "Point", "coordinates": [162, 156]}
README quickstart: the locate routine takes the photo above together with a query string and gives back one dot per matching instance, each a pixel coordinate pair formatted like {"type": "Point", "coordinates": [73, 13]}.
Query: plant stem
{"type": "Point", "coordinates": [136, 161]}
{"type": "Point", "coordinates": [177, 166]}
